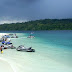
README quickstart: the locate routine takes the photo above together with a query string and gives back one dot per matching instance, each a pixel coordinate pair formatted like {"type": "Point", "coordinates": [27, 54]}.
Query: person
{"type": "Point", "coordinates": [1, 49]}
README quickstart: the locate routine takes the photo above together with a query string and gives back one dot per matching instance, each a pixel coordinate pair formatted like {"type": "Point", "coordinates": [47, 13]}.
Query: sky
{"type": "Point", "coordinates": [12, 11]}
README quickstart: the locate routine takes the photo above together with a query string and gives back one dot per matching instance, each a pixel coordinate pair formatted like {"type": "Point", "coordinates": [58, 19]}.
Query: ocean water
{"type": "Point", "coordinates": [53, 52]}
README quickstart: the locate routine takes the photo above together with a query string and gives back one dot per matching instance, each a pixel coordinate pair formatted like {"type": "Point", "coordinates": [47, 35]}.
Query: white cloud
{"type": "Point", "coordinates": [13, 21]}
{"type": "Point", "coordinates": [4, 20]}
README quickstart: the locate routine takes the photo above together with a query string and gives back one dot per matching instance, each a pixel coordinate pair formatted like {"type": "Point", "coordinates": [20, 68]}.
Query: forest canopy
{"type": "Point", "coordinates": [45, 24]}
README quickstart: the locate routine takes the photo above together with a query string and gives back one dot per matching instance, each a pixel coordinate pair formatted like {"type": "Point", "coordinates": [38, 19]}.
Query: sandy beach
{"type": "Point", "coordinates": [5, 66]}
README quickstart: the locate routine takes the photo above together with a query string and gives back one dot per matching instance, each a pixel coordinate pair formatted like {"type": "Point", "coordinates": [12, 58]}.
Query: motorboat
{"type": "Point", "coordinates": [4, 42]}
{"type": "Point", "coordinates": [14, 36]}
{"type": "Point", "coordinates": [30, 36]}
{"type": "Point", "coordinates": [25, 49]}
{"type": "Point", "coordinates": [10, 34]}
{"type": "Point", "coordinates": [8, 46]}
{"type": "Point", "coordinates": [2, 35]}
{"type": "Point", "coordinates": [5, 38]}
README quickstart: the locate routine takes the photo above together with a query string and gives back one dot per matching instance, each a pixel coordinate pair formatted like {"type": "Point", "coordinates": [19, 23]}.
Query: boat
{"type": "Point", "coordinates": [14, 36]}
{"type": "Point", "coordinates": [10, 34]}
{"type": "Point", "coordinates": [30, 36]}
{"type": "Point", "coordinates": [5, 42]}
{"type": "Point", "coordinates": [5, 37]}
{"type": "Point", "coordinates": [25, 49]}
{"type": "Point", "coordinates": [8, 46]}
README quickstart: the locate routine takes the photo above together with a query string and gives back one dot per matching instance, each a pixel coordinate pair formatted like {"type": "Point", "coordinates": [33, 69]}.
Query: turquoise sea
{"type": "Point", "coordinates": [53, 51]}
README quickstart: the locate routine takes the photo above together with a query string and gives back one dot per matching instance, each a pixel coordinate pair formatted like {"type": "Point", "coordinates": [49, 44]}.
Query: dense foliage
{"type": "Point", "coordinates": [46, 24]}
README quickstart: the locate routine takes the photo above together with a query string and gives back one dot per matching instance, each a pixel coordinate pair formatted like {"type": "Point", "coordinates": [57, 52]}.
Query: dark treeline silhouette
{"type": "Point", "coordinates": [46, 24]}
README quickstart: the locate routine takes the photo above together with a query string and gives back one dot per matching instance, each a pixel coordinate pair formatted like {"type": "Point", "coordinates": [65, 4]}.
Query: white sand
{"type": "Point", "coordinates": [5, 66]}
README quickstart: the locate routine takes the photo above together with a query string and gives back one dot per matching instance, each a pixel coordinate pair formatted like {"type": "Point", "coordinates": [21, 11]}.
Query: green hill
{"type": "Point", "coordinates": [46, 24]}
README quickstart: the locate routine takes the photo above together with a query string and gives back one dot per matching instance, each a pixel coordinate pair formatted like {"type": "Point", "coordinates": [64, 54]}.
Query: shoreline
{"type": "Point", "coordinates": [6, 66]}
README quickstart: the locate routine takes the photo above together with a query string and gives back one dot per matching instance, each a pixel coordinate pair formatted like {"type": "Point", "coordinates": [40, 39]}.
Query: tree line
{"type": "Point", "coordinates": [45, 24]}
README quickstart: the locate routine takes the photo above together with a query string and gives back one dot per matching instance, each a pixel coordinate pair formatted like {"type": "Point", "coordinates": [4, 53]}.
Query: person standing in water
{"type": "Point", "coordinates": [1, 49]}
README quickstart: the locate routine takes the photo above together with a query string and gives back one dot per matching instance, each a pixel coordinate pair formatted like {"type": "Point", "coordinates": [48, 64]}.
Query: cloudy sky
{"type": "Point", "coordinates": [24, 10]}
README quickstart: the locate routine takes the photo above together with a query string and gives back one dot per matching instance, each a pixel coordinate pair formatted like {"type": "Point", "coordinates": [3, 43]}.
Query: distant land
{"type": "Point", "coordinates": [44, 24]}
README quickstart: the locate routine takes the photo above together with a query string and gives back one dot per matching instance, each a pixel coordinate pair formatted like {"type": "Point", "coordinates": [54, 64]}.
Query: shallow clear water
{"type": "Point", "coordinates": [53, 52]}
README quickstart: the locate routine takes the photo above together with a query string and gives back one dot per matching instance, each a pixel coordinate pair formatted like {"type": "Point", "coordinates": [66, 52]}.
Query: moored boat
{"type": "Point", "coordinates": [25, 49]}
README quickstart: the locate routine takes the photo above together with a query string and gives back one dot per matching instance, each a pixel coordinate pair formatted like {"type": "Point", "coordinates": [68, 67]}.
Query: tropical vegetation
{"type": "Point", "coordinates": [45, 24]}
